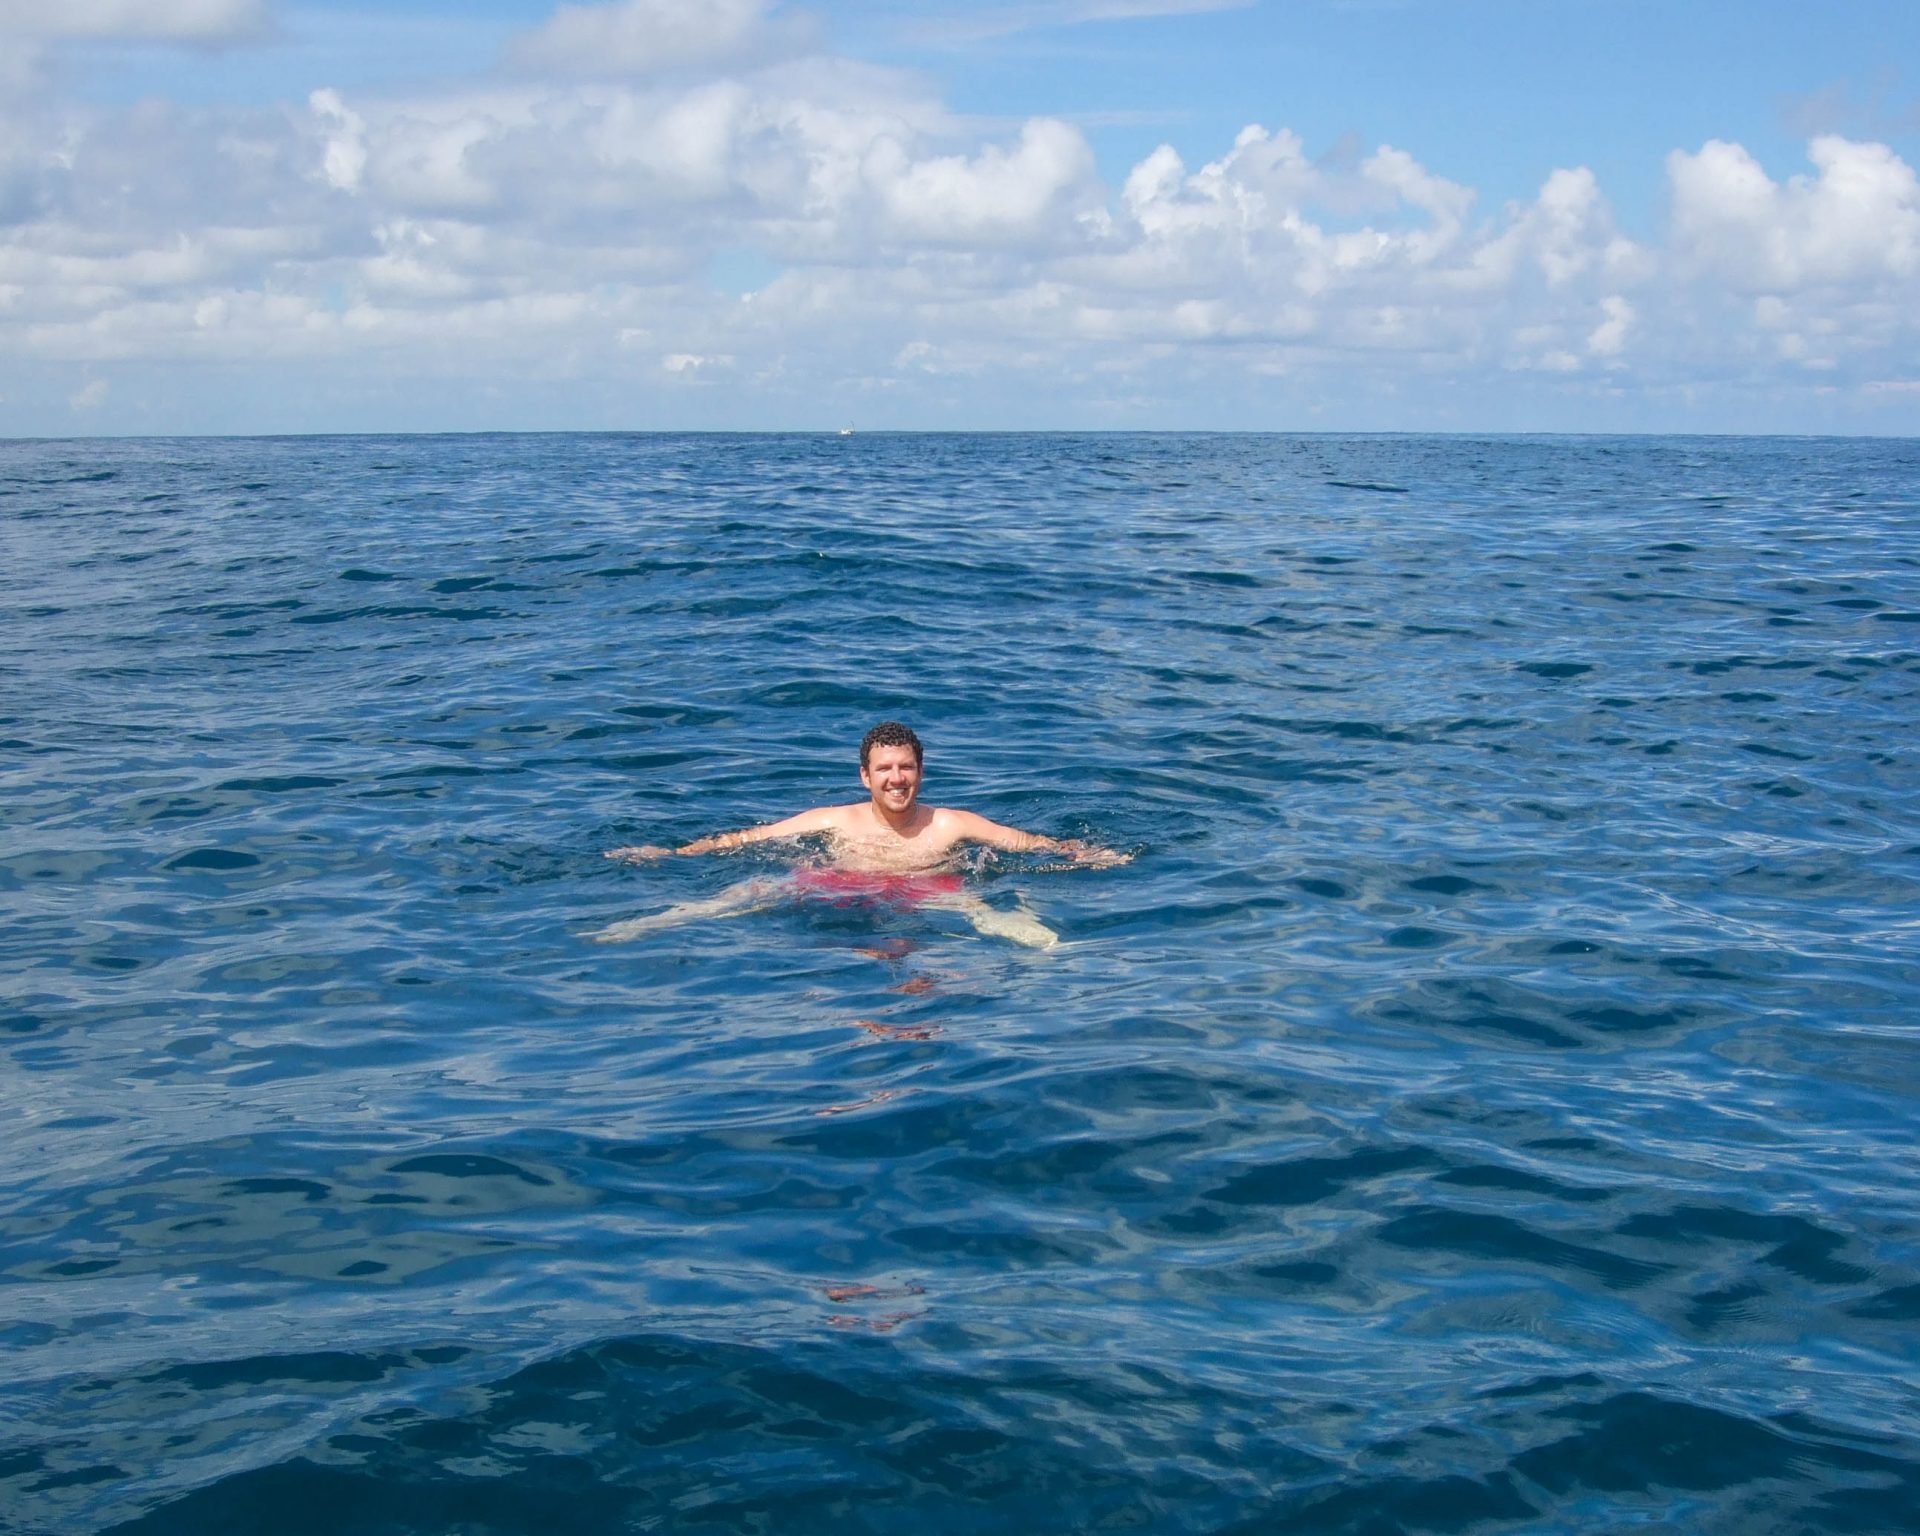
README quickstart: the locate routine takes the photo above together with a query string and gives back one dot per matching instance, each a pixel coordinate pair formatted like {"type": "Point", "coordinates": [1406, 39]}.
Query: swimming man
{"type": "Point", "coordinates": [889, 847]}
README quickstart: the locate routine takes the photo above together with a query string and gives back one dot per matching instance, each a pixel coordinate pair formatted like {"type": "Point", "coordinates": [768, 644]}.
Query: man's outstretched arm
{"type": "Point", "coordinates": [977, 829]}
{"type": "Point", "coordinates": [820, 819]}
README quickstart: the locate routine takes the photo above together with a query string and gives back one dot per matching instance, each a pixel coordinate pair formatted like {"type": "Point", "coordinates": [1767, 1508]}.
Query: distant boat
{"type": "Point", "coordinates": [847, 431]}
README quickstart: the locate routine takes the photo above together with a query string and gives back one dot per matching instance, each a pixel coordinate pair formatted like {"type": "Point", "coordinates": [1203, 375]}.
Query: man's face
{"type": "Point", "coordinates": [892, 776]}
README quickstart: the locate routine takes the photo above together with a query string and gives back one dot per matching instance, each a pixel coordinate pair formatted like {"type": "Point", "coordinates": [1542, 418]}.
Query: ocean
{"type": "Point", "coordinates": [1485, 1102]}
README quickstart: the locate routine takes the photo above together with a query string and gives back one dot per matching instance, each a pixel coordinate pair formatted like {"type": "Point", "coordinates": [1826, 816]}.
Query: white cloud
{"type": "Point", "coordinates": [1355, 255]}
{"type": "Point", "coordinates": [345, 156]}
{"type": "Point", "coordinates": [1856, 221]}
{"type": "Point", "coordinates": [997, 195]}
{"type": "Point", "coordinates": [426, 164]}
{"type": "Point", "coordinates": [606, 230]}
{"type": "Point", "coordinates": [1566, 235]}
{"type": "Point", "coordinates": [1609, 337]}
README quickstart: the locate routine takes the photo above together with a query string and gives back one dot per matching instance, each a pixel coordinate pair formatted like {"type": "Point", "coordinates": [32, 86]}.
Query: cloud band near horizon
{"type": "Point", "coordinates": [697, 217]}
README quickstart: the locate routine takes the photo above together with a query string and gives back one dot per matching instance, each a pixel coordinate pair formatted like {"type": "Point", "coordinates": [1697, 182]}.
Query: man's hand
{"type": "Point", "coordinates": [1090, 854]}
{"type": "Point", "coordinates": [640, 853]}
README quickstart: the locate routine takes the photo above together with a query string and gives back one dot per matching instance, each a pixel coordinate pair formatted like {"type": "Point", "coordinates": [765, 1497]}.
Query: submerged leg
{"type": "Point", "coordinates": [747, 896]}
{"type": "Point", "coordinates": [1019, 925]}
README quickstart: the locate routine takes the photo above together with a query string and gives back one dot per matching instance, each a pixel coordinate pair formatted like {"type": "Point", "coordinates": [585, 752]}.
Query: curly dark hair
{"type": "Point", "coordinates": [890, 733]}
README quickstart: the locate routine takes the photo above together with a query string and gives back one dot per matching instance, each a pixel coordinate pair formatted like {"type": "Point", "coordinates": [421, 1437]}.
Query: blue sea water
{"type": "Point", "coordinates": [1485, 1103]}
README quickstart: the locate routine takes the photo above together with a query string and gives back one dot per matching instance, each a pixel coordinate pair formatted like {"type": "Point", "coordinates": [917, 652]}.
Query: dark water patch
{"type": "Point", "coordinates": [994, 1247]}
{"type": "Point", "coordinates": [1614, 1019]}
{"type": "Point", "coordinates": [1730, 1306]}
{"type": "Point", "coordinates": [672, 713]}
{"type": "Point", "coordinates": [69, 1268]}
{"type": "Point", "coordinates": [1221, 579]}
{"type": "Point", "coordinates": [1307, 1180]}
{"type": "Point", "coordinates": [213, 860]}
{"type": "Point", "coordinates": [647, 762]}
{"type": "Point", "coordinates": [321, 1368]}
{"type": "Point", "coordinates": [728, 1438]}
{"type": "Point", "coordinates": [1795, 1244]}
{"type": "Point", "coordinates": [1642, 1444]}
{"type": "Point", "coordinates": [1901, 1304]}
{"type": "Point", "coordinates": [1766, 749]}
{"type": "Point", "coordinates": [650, 568]}
{"type": "Point", "coordinates": [468, 1166]}
{"type": "Point", "coordinates": [1413, 936]}
{"type": "Point", "coordinates": [1438, 1232]}
{"type": "Point", "coordinates": [739, 606]}
{"type": "Point", "coordinates": [1488, 1010]}
{"type": "Point", "coordinates": [244, 610]}
{"type": "Point", "coordinates": [1299, 1272]}
{"type": "Point", "coordinates": [438, 771]}
{"type": "Point", "coordinates": [1479, 723]}
{"type": "Point", "coordinates": [281, 784]}
{"type": "Point", "coordinates": [1375, 1502]}
{"type": "Point", "coordinates": [1346, 730]}
{"type": "Point", "coordinates": [398, 611]}
{"type": "Point", "coordinates": [812, 694]}
{"type": "Point", "coordinates": [1192, 914]}
{"type": "Point", "coordinates": [306, 1189]}
{"type": "Point", "coordinates": [1520, 1182]}
{"type": "Point", "coordinates": [1090, 1164]}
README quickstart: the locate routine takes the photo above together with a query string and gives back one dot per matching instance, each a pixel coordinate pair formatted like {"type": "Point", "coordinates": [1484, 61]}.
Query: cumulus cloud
{"type": "Point", "coordinates": [1566, 234]}
{"type": "Point", "coordinates": [1609, 337]}
{"type": "Point", "coordinates": [1857, 220]}
{"type": "Point", "coordinates": [1266, 205]}
{"type": "Point", "coordinates": [1357, 255]}
{"type": "Point", "coordinates": [719, 206]}
{"type": "Point", "coordinates": [345, 156]}
{"type": "Point", "coordinates": [994, 196]}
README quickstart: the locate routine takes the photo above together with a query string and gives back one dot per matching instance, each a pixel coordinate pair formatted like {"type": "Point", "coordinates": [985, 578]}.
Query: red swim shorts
{"type": "Point", "coordinates": [848, 886]}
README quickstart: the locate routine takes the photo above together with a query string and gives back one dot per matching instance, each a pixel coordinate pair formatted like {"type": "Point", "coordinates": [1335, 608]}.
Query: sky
{"type": "Point", "coordinates": [247, 216]}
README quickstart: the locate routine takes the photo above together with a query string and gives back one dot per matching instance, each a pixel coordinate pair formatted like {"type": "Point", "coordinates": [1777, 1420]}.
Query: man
{"type": "Point", "coordinates": [887, 848]}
